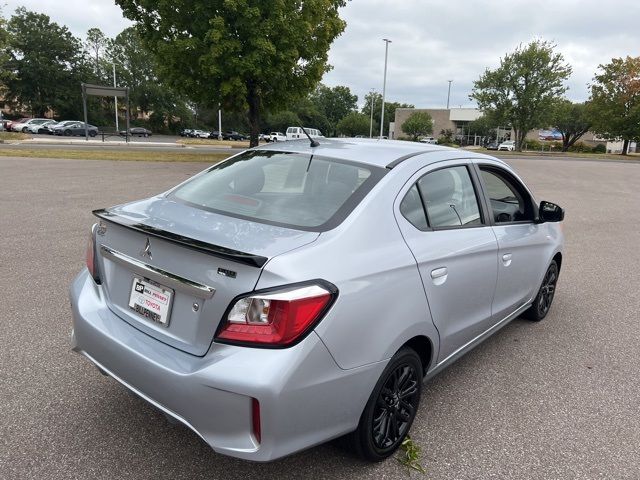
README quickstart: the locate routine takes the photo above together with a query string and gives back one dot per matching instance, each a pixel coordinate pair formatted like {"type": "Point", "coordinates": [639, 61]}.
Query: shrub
{"type": "Point", "coordinates": [532, 145]}
{"type": "Point", "coordinates": [600, 148]}
{"type": "Point", "coordinates": [580, 147]}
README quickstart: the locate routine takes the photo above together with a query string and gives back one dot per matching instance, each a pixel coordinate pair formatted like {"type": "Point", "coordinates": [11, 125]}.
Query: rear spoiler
{"type": "Point", "coordinates": [216, 250]}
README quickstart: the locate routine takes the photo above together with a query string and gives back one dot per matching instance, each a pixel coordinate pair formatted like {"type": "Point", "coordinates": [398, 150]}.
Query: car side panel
{"type": "Point", "coordinates": [381, 302]}
{"type": "Point", "coordinates": [460, 300]}
{"type": "Point", "coordinates": [524, 253]}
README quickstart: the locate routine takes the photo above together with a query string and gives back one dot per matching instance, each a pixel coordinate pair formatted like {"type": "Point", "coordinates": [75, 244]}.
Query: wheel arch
{"type": "Point", "coordinates": [558, 259]}
{"type": "Point", "coordinates": [424, 347]}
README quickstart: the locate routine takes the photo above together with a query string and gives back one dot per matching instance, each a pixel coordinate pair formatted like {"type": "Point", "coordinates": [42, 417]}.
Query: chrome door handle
{"type": "Point", "coordinates": [506, 259]}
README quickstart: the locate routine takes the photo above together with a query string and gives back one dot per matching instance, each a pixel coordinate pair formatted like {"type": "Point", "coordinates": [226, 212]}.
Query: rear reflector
{"type": "Point", "coordinates": [255, 420]}
{"type": "Point", "coordinates": [91, 255]}
{"type": "Point", "coordinates": [277, 318]}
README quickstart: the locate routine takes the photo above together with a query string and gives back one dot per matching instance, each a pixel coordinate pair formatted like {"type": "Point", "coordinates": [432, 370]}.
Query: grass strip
{"type": "Point", "coordinates": [126, 155]}
{"type": "Point", "coordinates": [6, 136]}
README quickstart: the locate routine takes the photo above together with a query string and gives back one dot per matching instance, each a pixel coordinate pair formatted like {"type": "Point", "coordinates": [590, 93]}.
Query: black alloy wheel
{"type": "Point", "coordinates": [395, 407]}
{"type": "Point", "coordinates": [542, 303]}
{"type": "Point", "coordinates": [391, 409]}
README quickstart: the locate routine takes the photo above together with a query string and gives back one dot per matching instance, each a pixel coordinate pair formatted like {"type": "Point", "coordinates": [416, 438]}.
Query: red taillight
{"type": "Point", "coordinates": [91, 256]}
{"type": "Point", "coordinates": [255, 419]}
{"type": "Point", "coordinates": [276, 319]}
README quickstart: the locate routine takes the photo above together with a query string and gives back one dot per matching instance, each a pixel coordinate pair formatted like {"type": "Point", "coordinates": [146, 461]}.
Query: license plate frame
{"type": "Point", "coordinates": [151, 301]}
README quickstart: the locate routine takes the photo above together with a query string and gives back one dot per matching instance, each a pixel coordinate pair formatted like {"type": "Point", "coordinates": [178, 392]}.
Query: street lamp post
{"type": "Point", "coordinates": [449, 93]}
{"type": "Point", "coordinates": [384, 83]}
{"type": "Point", "coordinates": [371, 107]}
{"type": "Point", "coordinates": [116, 98]}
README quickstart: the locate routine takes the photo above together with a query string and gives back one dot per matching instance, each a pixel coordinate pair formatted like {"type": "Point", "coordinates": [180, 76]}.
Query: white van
{"type": "Point", "coordinates": [294, 133]}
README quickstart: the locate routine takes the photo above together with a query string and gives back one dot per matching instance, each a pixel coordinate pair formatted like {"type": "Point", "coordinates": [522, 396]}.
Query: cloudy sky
{"type": "Point", "coordinates": [433, 41]}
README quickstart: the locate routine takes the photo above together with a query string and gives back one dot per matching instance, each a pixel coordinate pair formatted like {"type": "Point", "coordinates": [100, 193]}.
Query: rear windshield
{"type": "Point", "coordinates": [301, 191]}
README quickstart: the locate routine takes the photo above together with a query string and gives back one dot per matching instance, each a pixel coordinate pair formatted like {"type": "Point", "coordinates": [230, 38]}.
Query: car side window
{"type": "Point", "coordinates": [509, 201]}
{"type": "Point", "coordinates": [412, 209]}
{"type": "Point", "coordinates": [444, 198]}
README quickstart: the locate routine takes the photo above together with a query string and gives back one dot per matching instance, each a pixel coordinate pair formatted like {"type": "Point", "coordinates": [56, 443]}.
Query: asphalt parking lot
{"type": "Point", "coordinates": [558, 399]}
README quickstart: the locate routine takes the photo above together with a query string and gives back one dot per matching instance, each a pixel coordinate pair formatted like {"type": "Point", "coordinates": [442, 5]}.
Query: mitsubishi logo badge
{"type": "Point", "coordinates": [146, 251]}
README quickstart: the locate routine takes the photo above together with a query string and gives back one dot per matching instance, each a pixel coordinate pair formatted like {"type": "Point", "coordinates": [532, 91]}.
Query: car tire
{"type": "Point", "coordinates": [92, 134]}
{"type": "Point", "coordinates": [542, 303]}
{"type": "Point", "coordinates": [146, 135]}
{"type": "Point", "coordinates": [395, 398]}
{"type": "Point", "coordinates": [24, 130]}
{"type": "Point", "coordinates": [67, 133]}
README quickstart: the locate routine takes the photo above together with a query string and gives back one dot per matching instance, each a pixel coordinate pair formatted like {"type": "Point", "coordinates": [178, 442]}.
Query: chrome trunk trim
{"type": "Point", "coordinates": [163, 277]}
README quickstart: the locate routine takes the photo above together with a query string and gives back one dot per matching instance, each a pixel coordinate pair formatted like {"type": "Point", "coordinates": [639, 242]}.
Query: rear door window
{"type": "Point", "coordinates": [444, 198]}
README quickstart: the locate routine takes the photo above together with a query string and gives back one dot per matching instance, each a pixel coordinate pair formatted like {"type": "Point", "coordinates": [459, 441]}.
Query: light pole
{"type": "Point", "coordinates": [449, 93]}
{"type": "Point", "coordinates": [384, 83]}
{"type": "Point", "coordinates": [371, 107]}
{"type": "Point", "coordinates": [115, 98]}
{"type": "Point", "coordinates": [219, 122]}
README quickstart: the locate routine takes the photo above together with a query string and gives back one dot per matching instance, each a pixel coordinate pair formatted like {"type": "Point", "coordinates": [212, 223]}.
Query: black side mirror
{"type": "Point", "coordinates": [550, 212]}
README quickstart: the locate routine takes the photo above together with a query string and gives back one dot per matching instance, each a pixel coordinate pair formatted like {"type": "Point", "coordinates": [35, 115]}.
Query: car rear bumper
{"type": "Point", "coordinates": [305, 398]}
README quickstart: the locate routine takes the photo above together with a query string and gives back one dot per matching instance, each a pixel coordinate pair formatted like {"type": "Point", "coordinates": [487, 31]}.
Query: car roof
{"type": "Point", "coordinates": [379, 153]}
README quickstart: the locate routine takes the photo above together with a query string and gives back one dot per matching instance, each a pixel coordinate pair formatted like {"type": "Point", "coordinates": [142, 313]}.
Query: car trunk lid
{"type": "Point", "coordinates": [172, 270]}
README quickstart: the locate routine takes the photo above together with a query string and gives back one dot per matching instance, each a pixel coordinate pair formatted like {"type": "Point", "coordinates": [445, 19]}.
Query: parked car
{"type": "Point", "coordinates": [69, 129]}
{"type": "Point", "coordinates": [509, 146]}
{"type": "Point", "coordinates": [276, 137]}
{"type": "Point", "coordinates": [41, 127]}
{"type": "Point", "coordinates": [199, 134]}
{"type": "Point", "coordinates": [53, 128]}
{"type": "Point", "coordinates": [9, 123]}
{"type": "Point", "coordinates": [429, 140]}
{"type": "Point", "coordinates": [186, 132]}
{"type": "Point", "coordinates": [296, 133]}
{"type": "Point", "coordinates": [23, 125]}
{"type": "Point", "coordinates": [492, 145]}
{"type": "Point", "coordinates": [233, 135]}
{"type": "Point", "coordinates": [214, 134]}
{"type": "Point", "coordinates": [238, 302]}
{"type": "Point", "coordinates": [136, 132]}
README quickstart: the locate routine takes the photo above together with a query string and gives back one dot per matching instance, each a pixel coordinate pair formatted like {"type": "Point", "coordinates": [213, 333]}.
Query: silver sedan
{"type": "Point", "coordinates": [297, 293]}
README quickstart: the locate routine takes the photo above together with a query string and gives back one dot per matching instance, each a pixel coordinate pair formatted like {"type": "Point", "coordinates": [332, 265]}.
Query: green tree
{"type": "Point", "coordinates": [309, 115]}
{"type": "Point", "coordinates": [417, 125]}
{"type": "Point", "coordinates": [46, 65]}
{"type": "Point", "coordinates": [374, 99]}
{"type": "Point", "coordinates": [245, 54]}
{"type": "Point", "coordinates": [280, 121]}
{"type": "Point", "coordinates": [571, 120]}
{"type": "Point", "coordinates": [4, 53]}
{"type": "Point", "coordinates": [334, 103]}
{"type": "Point", "coordinates": [484, 126]}
{"type": "Point", "coordinates": [354, 123]}
{"type": "Point", "coordinates": [446, 137]}
{"type": "Point", "coordinates": [614, 107]}
{"type": "Point", "coordinates": [522, 90]}
{"type": "Point", "coordinates": [95, 43]}
{"type": "Point", "coordinates": [148, 94]}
